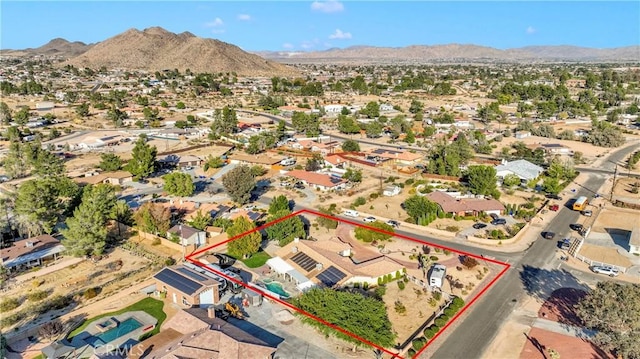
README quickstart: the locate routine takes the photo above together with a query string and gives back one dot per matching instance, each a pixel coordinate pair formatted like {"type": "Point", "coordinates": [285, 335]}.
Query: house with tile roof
{"type": "Point", "coordinates": [465, 206]}
{"type": "Point", "coordinates": [320, 181]}
{"type": "Point", "coordinates": [198, 333]}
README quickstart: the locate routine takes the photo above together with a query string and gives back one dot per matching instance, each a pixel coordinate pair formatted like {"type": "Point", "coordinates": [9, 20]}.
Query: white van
{"type": "Point", "coordinates": [351, 213]}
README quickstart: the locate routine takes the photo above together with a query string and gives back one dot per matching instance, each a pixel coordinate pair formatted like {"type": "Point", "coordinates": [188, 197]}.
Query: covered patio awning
{"type": "Point", "coordinates": [279, 265]}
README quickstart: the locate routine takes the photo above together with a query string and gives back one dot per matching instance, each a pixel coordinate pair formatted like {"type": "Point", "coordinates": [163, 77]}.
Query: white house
{"type": "Point", "coordinates": [384, 107]}
{"type": "Point", "coordinates": [437, 275]}
{"type": "Point", "coordinates": [522, 134]}
{"type": "Point", "coordinates": [524, 169]}
{"type": "Point", "coordinates": [333, 109]}
{"type": "Point", "coordinates": [391, 191]}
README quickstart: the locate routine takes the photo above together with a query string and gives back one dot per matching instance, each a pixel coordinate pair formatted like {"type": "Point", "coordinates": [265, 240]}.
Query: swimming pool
{"type": "Point", "coordinates": [278, 289]}
{"type": "Point", "coordinates": [110, 335]}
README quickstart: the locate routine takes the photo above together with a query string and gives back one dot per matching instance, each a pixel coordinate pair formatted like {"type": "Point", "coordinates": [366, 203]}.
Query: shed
{"type": "Point", "coordinates": [252, 297]}
{"type": "Point", "coordinates": [437, 275]}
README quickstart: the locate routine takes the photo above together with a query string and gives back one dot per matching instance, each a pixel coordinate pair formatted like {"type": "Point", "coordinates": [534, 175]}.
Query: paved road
{"type": "Point", "coordinates": [486, 317]}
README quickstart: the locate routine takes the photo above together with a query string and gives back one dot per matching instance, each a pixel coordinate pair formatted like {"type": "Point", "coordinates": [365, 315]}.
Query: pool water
{"type": "Point", "coordinates": [110, 335]}
{"type": "Point", "coordinates": [277, 288]}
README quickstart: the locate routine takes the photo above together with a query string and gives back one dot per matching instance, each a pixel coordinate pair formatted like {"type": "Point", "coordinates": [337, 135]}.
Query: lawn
{"type": "Point", "coordinates": [256, 260]}
{"type": "Point", "coordinates": [150, 306]}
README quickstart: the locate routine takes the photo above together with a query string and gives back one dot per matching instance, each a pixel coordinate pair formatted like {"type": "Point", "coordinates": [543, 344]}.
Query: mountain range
{"type": "Point", "coordinates": [156, 49]}
{"type": "Point", "coordinates": [456, 53]}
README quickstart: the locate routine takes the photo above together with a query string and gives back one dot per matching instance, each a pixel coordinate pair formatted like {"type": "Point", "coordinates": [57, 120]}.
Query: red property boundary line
{"type": "Point", "coordinates": [506, 267]}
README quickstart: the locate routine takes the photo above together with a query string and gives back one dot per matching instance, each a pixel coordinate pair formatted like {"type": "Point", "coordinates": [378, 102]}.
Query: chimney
{"type": "Point", "coordinates": [211, 312]}
{"type": "Point", "coordinates": [294, 249]}
{"type": "Point", "coordinates": [346, 252]}
{"type": "Point", "coordinates": [29, 244]}
{"type": "Point", "coordinates": [319, 266]}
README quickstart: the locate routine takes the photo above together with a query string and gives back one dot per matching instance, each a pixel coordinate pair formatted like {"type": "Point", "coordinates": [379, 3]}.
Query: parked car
{"type": "Point", "coordinates": [298, 186]}
{"type": "Point", "coordinates": [351, 213]}
{"type": "Point", "coordinates": [587, 213]}
{"type": "Point", "coordinates": [554, 208]}
{"type": "Point", "coordinates": [549, 235]}
{"type": "Point", "coordinates": [494, 216]}
{"type": "Point", "coordinates": [479, 225]}
{"type": "Point", "coordinates": [607, 270]}
{"type": "Point", "coordinates": [576, 227]}
{"type": "Point", "coordinates": [394, 224]}
{"type": "Point", "coordinates": [369, 219]}
{"type": "Point", "coordinates": [565, 244]}
{"type": "Point", "coordinates": [498, 221]}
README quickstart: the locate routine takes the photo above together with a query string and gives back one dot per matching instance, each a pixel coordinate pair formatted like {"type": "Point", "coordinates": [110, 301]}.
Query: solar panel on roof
{"type": "Point", "coordinates": [304, 261]}
{"type": "Point", "coordinates": [191, 274]}
{"type": "Point", "coordinates": [331, 276]}
{"type": "Point", "coordinates": [177, 281]}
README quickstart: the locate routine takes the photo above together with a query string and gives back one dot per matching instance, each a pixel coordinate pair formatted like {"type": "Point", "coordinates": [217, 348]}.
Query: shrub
{"type": "Point", "coordinates": [401, 285]}
{"type": "Point", "coordinates": [411, 352]}
{"type": "Point", "coordinates": [8, 304]}
{"type": "Point", "coordinates": [436, 295]}
{"type": "Point", "coordinates": [440, 322]}
{"type": "Point", "coordinates": [457, 302]}
{"type": "Point", "coordinates": [374, 195]}
{"type": "Point", "coordinates": [469, 262]}
{"type": "Point", "coordinates": [399, 307]}
{"type": "Point", "coordinates": [380, 291]}
{"type": "Point", "coordinates": [359, 201]}
{"type": "Point", "coordinates": [430, 332]}
{"type": "Point", "coordinates": [90, 293]}
{"type": "Point", "coordinates": [398, 274]}
{"type": "Point", "coordinates": [365, 285]}
{"type": "Point", "coordinates": [450, 312]}
{"type": "Point", "coordinates": [434, 258]}
{"type": "Point", "coordinates": [417, 344]}
{"type": "Point", "coordinates": [37, 295]}
{"type": "Point", "coordinates": [169, 261]}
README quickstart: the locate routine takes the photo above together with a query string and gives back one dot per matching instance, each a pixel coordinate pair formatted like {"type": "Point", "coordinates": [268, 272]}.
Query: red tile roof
{"type": "Point", "coordinates": [316, 178]}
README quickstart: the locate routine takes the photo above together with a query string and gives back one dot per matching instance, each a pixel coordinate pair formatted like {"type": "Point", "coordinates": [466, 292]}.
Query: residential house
{"type": "Point", "coordinates": [397, 156]}
{"type": "Point", "coordinates": [116, 178]}
{"type": "Point", "coordinates": [465, 206]}
{"type": "Point", "coordinates": [189, 235]}
{"type": "Point", "coordinates": [333, 109]}
{"type": "Point", "coordinates": [31, 252]}
{"type": "Point", "coordinates": [189, 161]}
{"type": "Point", "coordinates": [187, 287]}
{"type": "Point", "coordinates": [524, 169]}
{"type": "Point", "coordinates": [385, 107]}
{"type": "Point", "coordinates": [391, 191]}
{"type": "Point", "coordinates": [320, 181]}
{"type": "Point", "coordinates": [45, 106]}
{"type": "Point", "coordinates": [199, 333]}
{"type": "Point", "coordinates": [556, 149]}
{"type": "Point", "coordinates": [325, 148]}
{"type": "Point", "coordinates": [522, 134]}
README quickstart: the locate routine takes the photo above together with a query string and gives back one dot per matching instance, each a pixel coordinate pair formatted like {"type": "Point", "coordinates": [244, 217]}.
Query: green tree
{"type": "Point", "coordinates": [551, 185]}
{"type": "Point", "coordinates": [83, 109]}
{"type": "Point", "coordinates": [410, 137]}
{"type": "Point", "coordinates": [613, 311]}
{"type": "Point", "coordinates": [510, 180]}
{"type": "Point", "coordinates": [364, 316]}
{"type": "Point", "coordinates": [347, 124]}
{"type": "Point", "coordinates": [153, 218]}
{"type": "Point", "coordinates": [374, 129]}
{"type": "Point", "coordinates": [369, 235]}
{"type": "Point", "coordinates": [352, 175]}
{"type": "Point", "coordinates": [314, 163]}
{"type": "Point", "coordinates": [16, 161]}
{"type": "Point", "coordinates": [287, 230]}
{"type": "Point", "coordinates": [110, 162]}
{"type": "Point", "coordinates": [416, 106]}
{"type": "Point", "coordinates": [281, 131]}
{"type": "Point", "coordinates": [201, 220]}
{"type": "Point", "coordinates": [482, 180]}
{"type": "Point", "coordinates": [143, 161]}
{"type": "Point", "coordinates": [22, 116]}
{"type": "Point", "coordinates": [418, 206]}
{"type": "Point", "coordinates": [180, 105]}
{"type": "Point", "coordinates": [327, 222]}
{"type": "Point", "coordinates": [46, 164]}
{"type": "Point", "coordinates": [37, 207]}
{"type": "Point", "coordinates": [239, 182]}
{"type": "Point", "coordinates": [278, 204]}
{"type": "Point", "coordinates": [225, 121]}
{"type": "Point", "coordinates": [307, 124]}
{"type": "Point", "coordinates": [371, 110]}
{"type": "Point", "coordinates": [350, 146]}
{"type": "Point", "coordinates": [116, 116]}
{"type": "Point", "coordinates": [246, 245]}
{"type": "Point", "coordinates": [212, 162]}
{"type": "Point", "coordinates": [6, 116]}
{"type": "Point", "coordinates": [86, 231]}
{"type": "Point", "coordinates": [179, 184]}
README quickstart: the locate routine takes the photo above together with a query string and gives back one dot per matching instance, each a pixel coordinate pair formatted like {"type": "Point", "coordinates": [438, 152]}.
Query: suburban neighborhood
{"type": "Point", "coordinates": [313, 209]}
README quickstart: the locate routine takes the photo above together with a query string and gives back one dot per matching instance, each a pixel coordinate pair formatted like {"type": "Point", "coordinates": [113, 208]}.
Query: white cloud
{"type": "Point", "coordinates": [339, 35]}
{"type": "Point", "coordinates": [327, 6]}
{"type": "Point", "coordinates": [217, 22]}
{"type": "Point", "coordinates": [530, 30]}
{"type": "Point", "coordinates": [244, 17]}
{"type": "Point", "coordinates": [287, 46]}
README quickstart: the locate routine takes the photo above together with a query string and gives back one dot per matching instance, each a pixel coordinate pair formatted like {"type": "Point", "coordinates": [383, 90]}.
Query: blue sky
{"type": "Point", "coordinates": [309, 25]}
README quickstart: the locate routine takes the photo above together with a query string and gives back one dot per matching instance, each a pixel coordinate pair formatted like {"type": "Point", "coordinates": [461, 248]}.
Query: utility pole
{"type": "Point", "coordinates": [613, 185]}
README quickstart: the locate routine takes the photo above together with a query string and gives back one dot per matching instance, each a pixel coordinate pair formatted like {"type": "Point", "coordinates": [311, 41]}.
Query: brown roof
{"type": "Point", "coordinates": [99, 178]}
{"type": "Point", "coordinates": [263, 160]}
{"type": "Point", "coordinates": [192, 334]}
{"type": "Point", "coordinates": [316, 178]}
{"type": "Point", "coordinates": [452, 205]}
{"type": "Point", "coordinates": [20, 248]}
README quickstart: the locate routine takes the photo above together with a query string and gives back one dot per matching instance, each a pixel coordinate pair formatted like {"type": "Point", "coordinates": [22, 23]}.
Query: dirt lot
{"type": "Point", "coordinates": [624, 186]}
{"type": "Point", "coordinates": [612, 217]}
{"type": "Point", "coordinates": [404, 324]}
{"type": "Point", "coordinates": [589, 151]}
{"type": "Point", "coordinates": [604, 255]}
{"type": "Point", "coordinates": [78, 278]}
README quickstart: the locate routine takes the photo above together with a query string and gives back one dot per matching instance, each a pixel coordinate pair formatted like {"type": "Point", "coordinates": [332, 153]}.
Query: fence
{"type": "Point", "coordinates": [596, 263]}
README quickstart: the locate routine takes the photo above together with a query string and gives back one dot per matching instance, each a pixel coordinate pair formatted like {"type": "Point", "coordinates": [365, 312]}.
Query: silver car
{"type": "Point", "coordinates": [607, 270]}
